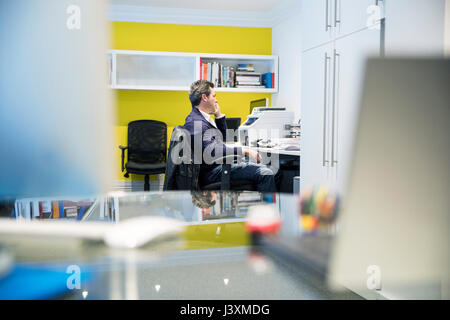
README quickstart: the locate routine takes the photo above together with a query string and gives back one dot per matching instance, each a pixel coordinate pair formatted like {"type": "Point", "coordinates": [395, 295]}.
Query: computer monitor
{"type": "Point", "coordinates": [233, 123]}
{"type": "Point", "coordinates": [394, 224]}
{"type": "Point", "coordinates": [259, 103]}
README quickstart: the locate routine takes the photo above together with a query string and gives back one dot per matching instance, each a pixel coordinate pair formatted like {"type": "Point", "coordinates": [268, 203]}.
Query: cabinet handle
{"type": "Point", "coordinates": [327, 6]}
{"type": "Point", "coordinates": [337, 57]}
{"type": "Point", "coordinates": [327, 59]}
{"type": "Point", "coordinates": [336, 19]}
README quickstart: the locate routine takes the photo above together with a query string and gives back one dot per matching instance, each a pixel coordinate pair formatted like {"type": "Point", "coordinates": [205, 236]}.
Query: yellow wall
{"type": "Point", "coordinates": [172, 107]}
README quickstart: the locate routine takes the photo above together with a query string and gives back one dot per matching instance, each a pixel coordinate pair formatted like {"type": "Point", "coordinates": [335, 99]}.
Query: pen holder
{"type": "Point", "coordinates": [318, 210]}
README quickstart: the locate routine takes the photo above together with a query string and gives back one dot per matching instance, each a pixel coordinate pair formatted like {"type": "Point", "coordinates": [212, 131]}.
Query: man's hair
{"type": "Point", "coordinates": [198, 88]}
{"type": "Point", "coordinates": [201, 200]}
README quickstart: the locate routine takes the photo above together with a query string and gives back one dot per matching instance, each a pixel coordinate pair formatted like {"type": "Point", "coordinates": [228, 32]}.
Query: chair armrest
{"type": "Point", "coordinates": [123, 155]}
{"type": "Point", "coordinates": [225, 181]}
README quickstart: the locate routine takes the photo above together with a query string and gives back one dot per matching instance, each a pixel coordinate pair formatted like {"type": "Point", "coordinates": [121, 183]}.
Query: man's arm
{"type": "Point", "coordinates": [222, 126]}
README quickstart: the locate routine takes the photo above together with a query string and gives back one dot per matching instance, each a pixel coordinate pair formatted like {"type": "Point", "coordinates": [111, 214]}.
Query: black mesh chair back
{"type": "Point", "coordinates": [147, 141]}
{"type": "Point", "coordinates": [147, 144]}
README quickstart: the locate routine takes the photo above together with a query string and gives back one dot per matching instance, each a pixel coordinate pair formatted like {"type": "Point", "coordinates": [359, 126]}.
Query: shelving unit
{"type": "Point", "coordinates": [175, 71]}
{"type": "Point", "coordinates": [55, 208]}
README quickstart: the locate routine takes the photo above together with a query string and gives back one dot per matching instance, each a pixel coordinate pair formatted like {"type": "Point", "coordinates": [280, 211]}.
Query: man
{"type": "Point", "coordinates": [200, 124]}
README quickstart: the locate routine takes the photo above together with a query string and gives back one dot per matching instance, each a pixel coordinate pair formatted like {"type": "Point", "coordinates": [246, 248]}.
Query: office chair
{"type": "Point", "coordinates": [147, 142]}
{"type": "Point", "coordinates": [183, 174]}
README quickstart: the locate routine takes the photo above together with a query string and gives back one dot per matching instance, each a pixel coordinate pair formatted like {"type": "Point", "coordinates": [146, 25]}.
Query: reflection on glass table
{"type": "Point", "coordinates": [213, 257]}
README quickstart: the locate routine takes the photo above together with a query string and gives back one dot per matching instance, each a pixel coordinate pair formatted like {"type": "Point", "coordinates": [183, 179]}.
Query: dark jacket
{"type": "Point", "coordinates": [210, 138]}
{"type": "Point", "coordinates": [181, 173]}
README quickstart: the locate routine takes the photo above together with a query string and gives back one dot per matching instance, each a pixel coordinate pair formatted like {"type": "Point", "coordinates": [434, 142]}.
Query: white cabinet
{"type": "Point", "coordinates": [327, 20]}
{"type": "Point", "coordinates": [355, 15]}
{"type": "Point", "coordinates": [156, 71]}
{"type": "Point", "coordinates": [316, 101]}
{"type": "Point", "coordinates": [332, 76]}
{"type": "Point", "coordinates": [317, 18]}
{"type": "Point", "coordinates": [350, 54]}
{"type": "Point", "coordinates": [151, 70]}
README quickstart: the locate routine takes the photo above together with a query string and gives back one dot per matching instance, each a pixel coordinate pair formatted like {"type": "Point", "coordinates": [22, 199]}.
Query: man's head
{"type": "Point", "coordinates": [203, 199]}
{"type": "Point", "coordinates": [203, 96]}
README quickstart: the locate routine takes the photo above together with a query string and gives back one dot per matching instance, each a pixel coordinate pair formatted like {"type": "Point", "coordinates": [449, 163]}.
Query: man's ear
{"type": "Point", "coordinates": [204, 97]}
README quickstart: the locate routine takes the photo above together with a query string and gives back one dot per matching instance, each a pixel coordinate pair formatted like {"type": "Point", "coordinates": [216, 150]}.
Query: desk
{"type": "Point", "coordinates": [288, 162]}
{"type": "Point", "coordinates": [215, 260]}
{"type": "Point", "coordinates": [276, 150]}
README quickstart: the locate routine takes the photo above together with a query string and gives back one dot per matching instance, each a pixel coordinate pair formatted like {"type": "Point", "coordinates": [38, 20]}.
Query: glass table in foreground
{"type": "Point", "coordinates": [214, 257]}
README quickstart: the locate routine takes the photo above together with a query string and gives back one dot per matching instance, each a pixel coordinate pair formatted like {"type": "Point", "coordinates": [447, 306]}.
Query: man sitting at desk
{"type": "Point", "coordinates": [199, 123]}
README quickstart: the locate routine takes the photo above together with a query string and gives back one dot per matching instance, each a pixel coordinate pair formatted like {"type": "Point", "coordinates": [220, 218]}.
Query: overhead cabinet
{"type": "Point", "coordinates": [355, 15]}
{"type": "Point", "coordinates": [150, 70]}
{"type": "Point", "coordinates": [159, 72]}
{"type": "Point", "coordinates": [326, 20]}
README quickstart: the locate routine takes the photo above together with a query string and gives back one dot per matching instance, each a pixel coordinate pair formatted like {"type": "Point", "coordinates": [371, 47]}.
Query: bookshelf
{"type": "Point", "coordinates": [175, 71]}
{"type": "Point", "coordinates": [57, 208]}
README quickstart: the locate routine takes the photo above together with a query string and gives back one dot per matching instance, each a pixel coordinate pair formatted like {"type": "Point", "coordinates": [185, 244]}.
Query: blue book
{"type": "Point", "coordinates": [61, 209]}
{"type": "Point", "coordinates": [267, 79]}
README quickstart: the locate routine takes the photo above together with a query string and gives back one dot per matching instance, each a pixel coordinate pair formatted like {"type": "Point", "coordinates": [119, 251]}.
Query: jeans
{"type": "Point", "coordinates": [260, 174]}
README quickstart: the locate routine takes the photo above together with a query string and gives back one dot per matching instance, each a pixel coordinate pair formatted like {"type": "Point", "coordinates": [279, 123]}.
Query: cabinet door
{"type": "Point", "coordinates": [353, 15]}
{"type": "Point", "coordinates": [315, 118]}
{"type": "Point", "coordinates": [349, 57]}
{"type": "Point", "coordinates": [317, 17]}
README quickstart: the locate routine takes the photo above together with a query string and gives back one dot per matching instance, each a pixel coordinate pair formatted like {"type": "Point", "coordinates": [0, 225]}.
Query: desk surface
{"type": "Point", "coordinates": [278, 150]}
{"type": "Point", "coordinates": [214, 260]}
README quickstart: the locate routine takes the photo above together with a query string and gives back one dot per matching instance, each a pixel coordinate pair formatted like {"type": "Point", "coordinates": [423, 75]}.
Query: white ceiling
{"type": "Point", "coordinates": [227, 5]}
{"type": "Point", "coordinates": [244, 13]}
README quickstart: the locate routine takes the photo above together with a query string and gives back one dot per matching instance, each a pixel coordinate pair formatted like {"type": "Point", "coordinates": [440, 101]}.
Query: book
{"type": "Point", "coordinates": [248, 78]}
{"type": "Point", "coordinates": [248, 83]}
{"type": "Point", "coordinates": [215, 74]}
{"type": "Point", "coordinates": [251, 86]}
{"type": "Point", "coordinates": [267, 79]}
{"type": "Point", "coordinates": [55, 209]}
{"type": "Point", "coordinates": [205, 71]}
{"type": "Point", "coordinates": [233, 77]}
{"type": "Point", "coordinates": [61, 209]}
{"type": "Point", "coordinates": [209, 71]}
{"type": "Point", "coordinates": [249, 73]}
{"type": "Point", "coordinates": [71, 212]}
{"type": "Point", "coordinates": [246, 67]}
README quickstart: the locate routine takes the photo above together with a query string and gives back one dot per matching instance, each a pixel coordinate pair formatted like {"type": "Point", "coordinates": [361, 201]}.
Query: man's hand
{"type": "Point", "coordinates": [252, 154]}
{"type": "Point", "coordinates": [217, 112]}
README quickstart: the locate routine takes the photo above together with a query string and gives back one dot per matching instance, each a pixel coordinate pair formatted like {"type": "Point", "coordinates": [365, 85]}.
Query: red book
{"type": "Point", "coordinates": [201, 71]}
{"type": "Point", "coordinates": [205, 71]}
{"type": "Point", "coordinates": [273, 80]}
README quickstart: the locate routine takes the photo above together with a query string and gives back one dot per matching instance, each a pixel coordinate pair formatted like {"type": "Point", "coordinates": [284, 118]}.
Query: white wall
{"type": "Point", "coordinates": [447, 29]}
{"type": "Point", "coordinates": [286, 43]}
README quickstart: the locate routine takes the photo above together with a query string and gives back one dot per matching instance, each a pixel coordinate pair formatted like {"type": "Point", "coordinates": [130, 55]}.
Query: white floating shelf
{"type": "Point", "coordinates": [175, 71]}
